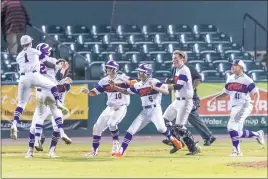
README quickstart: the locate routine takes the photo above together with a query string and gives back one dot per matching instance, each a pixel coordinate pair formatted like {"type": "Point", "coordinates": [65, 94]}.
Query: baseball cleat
{"type": "Point", "coordinates": [235, 154]}
{"type": "Point", "coordinates": [52, 154]}
{"type": "Point", "coordinates": [91, 154]}
{"type": "Point", "coordinates": [209, 141]}
{"type": "Point", "coordinates": [118, 155]}
{"type": "Point", "coordinates": [116, 147]}
{"type": "Point", "coordinates": [167, 142]}
{"type": "Point", "coordinates": [29, 154]}
{"type": "Point", "coordinates": [176, 143]}
{"type": "Point", "coordinates": [260, 138]}
{"type": "Point", "coordinates": [13, 132]}
{"type": "Point", "coordinates": [38, 145]}
{"type": "Point", "coordinates": [66, 139]}
{"type": "Point", "coordinates": [62, 107]}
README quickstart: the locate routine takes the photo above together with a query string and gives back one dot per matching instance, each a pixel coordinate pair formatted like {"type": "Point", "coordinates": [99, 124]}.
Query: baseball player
{"type": "Point", "coordinates": [116, 107]}
{"type": "Point", "coordinates": [181, 107]}
{"type": "Point", "coordinates": [29, 63]}
{"type": "Point", "coordinates": [150, 90]}
{"type": "Point", "coordinates": [239, 87]}
{"type": "Point", "coordinates": [46, 106]}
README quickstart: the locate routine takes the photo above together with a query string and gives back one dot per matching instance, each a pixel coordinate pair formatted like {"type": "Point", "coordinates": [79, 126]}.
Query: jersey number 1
{"type": "Point", "coordinates": [236, 95]}
{"type": "Point", "coordinates": [26, 58]}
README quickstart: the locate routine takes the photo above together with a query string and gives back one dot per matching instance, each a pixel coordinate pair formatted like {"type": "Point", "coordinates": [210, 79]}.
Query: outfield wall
{"type": "Point", "coordinates": [85, 110]}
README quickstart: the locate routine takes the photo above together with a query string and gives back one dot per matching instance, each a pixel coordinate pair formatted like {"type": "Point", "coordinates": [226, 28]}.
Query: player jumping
{"type": "Point", "coordinates": [116, 107]}
{"type": "Point", "coordinates": [239, 87]}
{"type": "Point", "coordinates": [150, 90]}
{"type": "Point", "coordinates": [46, 105]}
{"type": "Point", "coordinates": [29, 64]}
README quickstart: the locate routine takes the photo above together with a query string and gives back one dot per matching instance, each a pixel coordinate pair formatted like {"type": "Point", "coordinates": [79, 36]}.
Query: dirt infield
{"type": "Point", "coordinates": [259, 164]}
{"type": "Point", "coordinates": [107, 139]}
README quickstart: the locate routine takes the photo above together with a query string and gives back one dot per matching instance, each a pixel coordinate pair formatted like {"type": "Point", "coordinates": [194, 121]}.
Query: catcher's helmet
{"type": "Point", "coordinates": [147, 68]}
{"type": "Point", "coordinates": [112, 64]}
{"type": "Point", "coordinates": [44, 47]}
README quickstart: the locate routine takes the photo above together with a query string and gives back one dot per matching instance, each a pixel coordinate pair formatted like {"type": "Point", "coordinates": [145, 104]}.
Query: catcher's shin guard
{"type": "Point", "coordinates": [186, 137]}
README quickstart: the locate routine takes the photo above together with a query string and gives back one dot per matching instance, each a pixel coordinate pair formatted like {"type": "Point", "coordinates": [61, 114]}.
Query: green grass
{"type": "Point", "coordinates": [150, 160]}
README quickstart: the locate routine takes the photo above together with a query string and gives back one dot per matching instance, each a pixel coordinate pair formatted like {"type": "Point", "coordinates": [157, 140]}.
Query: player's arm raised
{"type": "Point", "coordinates": [95, 91]}
{"type": "Point", "coordinates": [159, 87]}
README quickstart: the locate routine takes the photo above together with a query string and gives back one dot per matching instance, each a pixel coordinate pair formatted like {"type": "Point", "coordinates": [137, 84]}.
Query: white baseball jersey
{"type": "Point", "coordinates": [115, 98]}
{"type": "Point", "coordinates": [28, 60]}
{"type": "Point", "coordinates": [50, 73]}
{"type": "Point", "coordinates": [147, 94]}
{"type": "Point", "coordinates": [183, 77]}
{"type": "Point", "coordinates": [239, 88]}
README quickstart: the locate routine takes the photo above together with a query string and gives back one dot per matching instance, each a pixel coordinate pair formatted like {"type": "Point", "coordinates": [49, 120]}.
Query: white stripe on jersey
{"type": "Point", "coordinates": [147, 94]}
{"type": "Point", "coordinates": [239, 88]}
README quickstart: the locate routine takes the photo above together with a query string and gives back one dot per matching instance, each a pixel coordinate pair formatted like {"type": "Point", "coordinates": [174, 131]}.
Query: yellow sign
{"type": "Point", "coordinates": [76, 102]}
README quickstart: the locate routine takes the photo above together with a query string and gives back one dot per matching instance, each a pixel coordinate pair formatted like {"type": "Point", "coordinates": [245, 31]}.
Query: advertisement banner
{"type": "Point", "coordinates": [217, 115]}
{"type": "Point", "coordinates": [74, 101]}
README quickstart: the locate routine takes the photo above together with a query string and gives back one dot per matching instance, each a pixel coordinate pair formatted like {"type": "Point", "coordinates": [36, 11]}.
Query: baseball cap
{"type": "Point", "coordinates": [25, 39]}
{"type": "Point", "coordinates": [239, 62]}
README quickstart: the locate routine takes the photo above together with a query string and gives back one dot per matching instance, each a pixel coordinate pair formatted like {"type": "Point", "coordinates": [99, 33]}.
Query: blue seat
{"type": "Point", "coordinates": [89, 39]}
{"type": "Point", "coordinates": [140, 39]}
{"type": "Point", "coordinates": [53, 29]}
{"type": "Point", "coordinates": [178, 29]}
{"type": "Point", "coordinates": [205, 29]}
{"type": "Point", "coordinates": [218, 38]}
{"type": "Point", "coordinates": [153, 29]}
{"type": "Point", "coordinates": [102, 30]}
{"type": "Point", "coordinates": [165, 39]}
{"type": "Point", "coordinates": [77, 30]}
{"type": "Point", "coordinates": [114, 39]}
{"type": "Point", "coordinates": [128, 29]}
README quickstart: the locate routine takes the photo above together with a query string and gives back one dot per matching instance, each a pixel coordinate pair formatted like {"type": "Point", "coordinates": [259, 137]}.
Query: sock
{"type": "Point", "coordinates": [115, 134]}
{"type": "Point", "coordinates": [17, 115]}
{"type": "Point", "coordinates": [54, 141]}
{"type": "Point", "coordinates": [249, 134]}
{"type": "Point", "coordinates": [126, 141]}
{"type": "Point", "coordinates": [31, 140]}
{"type": "Point", "coordinates": [167, 133]}
{"type": "Point", "coordinates": [96, 142]}
{"type": "Point", "coordinates": [38, 131]}
{"type": "Point", "coordinates": [55, 92]}
{"type": "Point", "coordinates": [236, 140]}
{"type": "Point", "coordinates": [59, 122]}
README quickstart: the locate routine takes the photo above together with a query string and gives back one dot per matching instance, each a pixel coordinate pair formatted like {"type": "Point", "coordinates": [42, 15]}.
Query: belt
{"type": "Point", "coordinates": [183, 98]}
{"type": "Point", "coordinates": [149, 106]}
{"type": "Point", "coordinates": [32, 72]}
{"type": "Point", "coordinates": [39, 89]}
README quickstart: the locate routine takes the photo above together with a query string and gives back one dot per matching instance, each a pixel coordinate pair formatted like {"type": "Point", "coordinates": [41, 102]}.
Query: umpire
{"type": "Point", "coordinates": [194, 118]}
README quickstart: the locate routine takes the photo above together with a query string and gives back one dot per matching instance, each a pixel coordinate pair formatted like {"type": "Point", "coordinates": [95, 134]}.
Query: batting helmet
{"type": "Point", "coordinates": [147, 68]}
{"type": "Point", "coordinates": [112, 64]}
{"type": "Point", "coordinates": [44, 47]}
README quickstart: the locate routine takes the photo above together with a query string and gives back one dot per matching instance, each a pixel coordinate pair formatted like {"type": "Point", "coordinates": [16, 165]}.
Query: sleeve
{"type": "Point", "coordinates": [132, 90]}
{"type": "Point", "coordinates": [99, 87]}
{"type": "Point", "coordinates": [224, 90]}
{"type": "Point", "coordinates": [183, 77]}
{"type": "Point", "coordinates": [252, 88]}
{"type": "Point", "coordinates": [157, 83]}
{"type": "Point", "coordinates": [37, 52]}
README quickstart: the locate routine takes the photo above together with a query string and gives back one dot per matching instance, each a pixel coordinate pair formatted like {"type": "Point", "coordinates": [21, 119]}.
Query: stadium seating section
{"type": "Point", "coordinates": [88, 48]}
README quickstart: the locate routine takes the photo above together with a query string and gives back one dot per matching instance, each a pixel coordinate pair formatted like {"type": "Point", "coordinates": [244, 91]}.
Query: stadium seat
{"type": "Point", "coordinates": [110, 49]}
{"type": "Point", "coordinates": [210, 57]}
{"type": "Point", "coordinates": [139, 58]}
{"type": "Point", "coordinates": [91, 57]}
{"type": "Point", "coordinates": [204, 48]}
{"type": "Point", "coordinates": [179, 29]}
{"type": "Point", "coordinates": [65, 39]}
{"type": "Point", "coordinates": [53, 30]}
{"type": "Point", "coordinates": [222, 66]}
{"type": "Point", "coordinates": [84, 48]}
{"type": "Point", "coordinates": [165, 39]}
{"type": "Point", "coordinates": [128, 49]}
{"type": "Point", "coordinates": [259, 75]}
{"type": "Point", "coordinates": [205, 29]}
{"type": "Point", "coordinates": [102, 30]}
{"type": "Point", "coordinates": [153, 48]}
{"type": "Point", "coordinates": [10, 76]}
{"type": "Point", "coordinates": [65, 51]}
{"type": "Point", "coordinates": [15, 66]}
{"type": "Point", "coordinates": [212, 76]}
{"type": "Point", "coordinates": [95, 70]}
{"type": "Point", "coordinates": [130, 69]}
{"type": "Point", "coordinates": [245, 56]}
{"type": "Point", "coordinates": [218, 38]}
{"type": "Point", "coordinates": [192, 38]}
{"type": "Point", "coordinates": [170, 48]}
{"type": "Point", "coordinates": [193, 57]}
{"type": "Point", "coordinates": [89, 39]}
{"type": "Point", "coordinates": [80, 62]}
{"type": "Point", "coordinates": [252, 67]}
{"type": "Point", "coordinates": [128, 29]}
{"type": "Point", "coordinates": [77, 30]}
{"type": "Point", "coordinates": [114, 39]}
{"type": "Point", "coordinates": [140, 39]}
{"type": "Point", "coordinates": [153, 29]}
{"type": "Point", "coordinates": [100, 49]}
{"type": "Point", "coordinates": [229, 48]}
{"type": "Point", "coordinates": [116, 56]}
{"type": "Point", "coordinates": [161, 57]}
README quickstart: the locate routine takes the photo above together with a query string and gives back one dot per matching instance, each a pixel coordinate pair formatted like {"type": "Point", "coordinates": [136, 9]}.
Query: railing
{"type": "Point", "coordinates": [256, 23]}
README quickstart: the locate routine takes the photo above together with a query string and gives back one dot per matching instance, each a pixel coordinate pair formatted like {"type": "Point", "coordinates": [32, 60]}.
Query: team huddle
{"type": "Point", "coordinates": [49, 76]}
